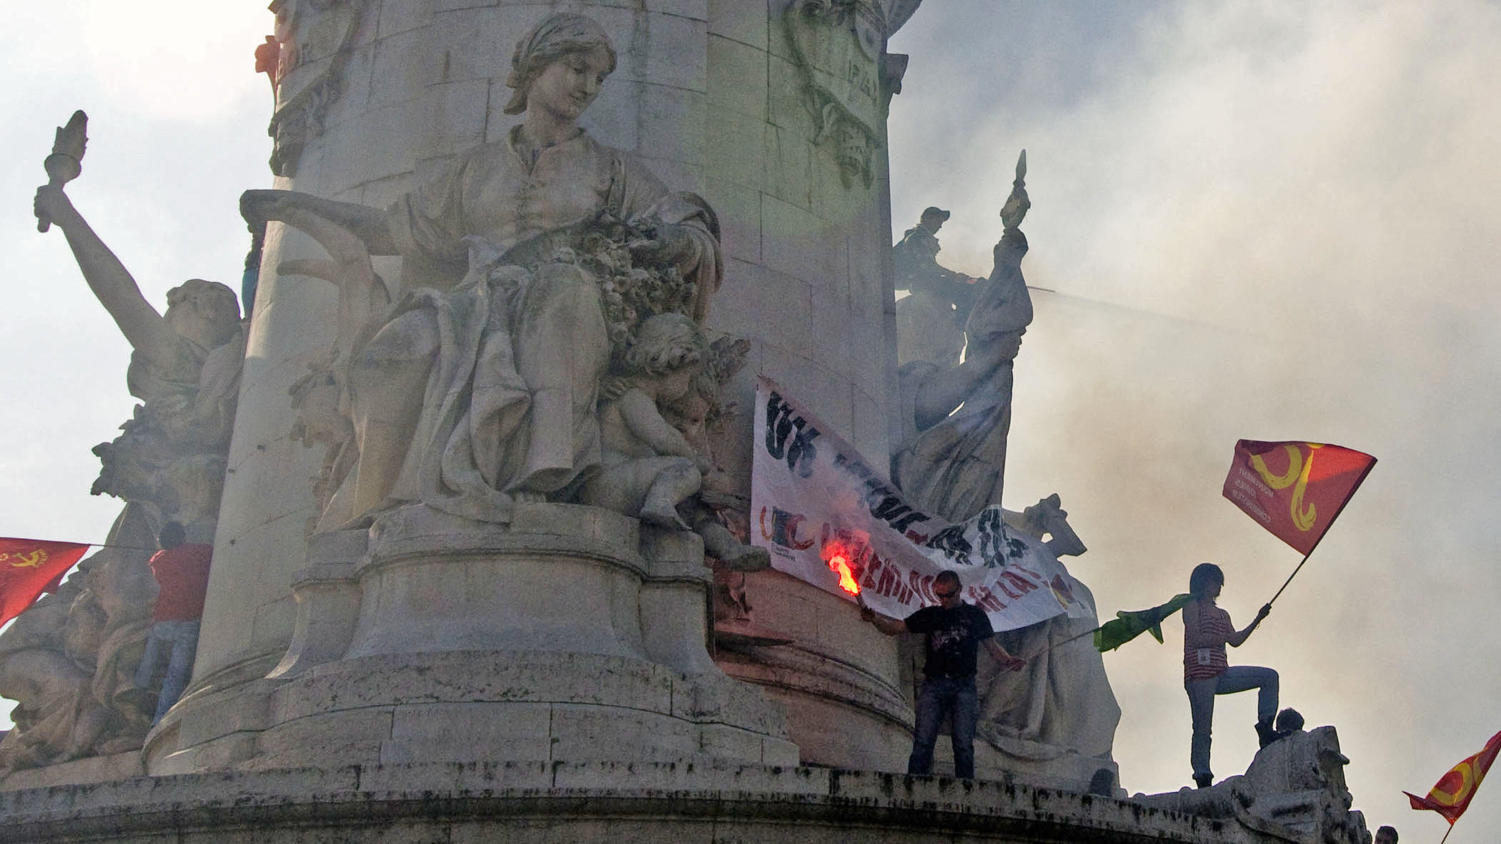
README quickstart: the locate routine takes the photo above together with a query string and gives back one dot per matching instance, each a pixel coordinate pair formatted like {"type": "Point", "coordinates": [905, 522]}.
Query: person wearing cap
{"type": "Point", "coordinates": [930, 321]}
{"type": "Point", "coordinates": [952, 634]}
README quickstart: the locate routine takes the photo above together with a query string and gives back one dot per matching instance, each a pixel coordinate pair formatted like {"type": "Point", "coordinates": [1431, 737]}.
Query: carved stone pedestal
{"type": "Point", "coordinates": [838, 678]}
{"type": "Point", "coordinates": [572, 635]}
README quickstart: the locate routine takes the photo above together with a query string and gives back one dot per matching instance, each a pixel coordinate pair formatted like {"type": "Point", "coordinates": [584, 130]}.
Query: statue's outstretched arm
{"type": "Point", "coordinates": [363, 221]}
{"type": "Point", "coordinates": [144, 328]}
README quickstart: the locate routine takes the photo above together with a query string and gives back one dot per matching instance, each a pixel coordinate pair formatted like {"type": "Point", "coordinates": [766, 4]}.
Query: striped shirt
{"type": "Point", "coordinates": [1206, 663]}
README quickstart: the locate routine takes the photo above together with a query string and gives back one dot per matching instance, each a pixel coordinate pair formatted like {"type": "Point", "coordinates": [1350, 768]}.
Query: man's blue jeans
{"type": "Point", "coordinates": [956, 697]}
{"type": "Point", "coordinates": [1237, 678]}
{"type": "Point", "coordinates": [177, 642]}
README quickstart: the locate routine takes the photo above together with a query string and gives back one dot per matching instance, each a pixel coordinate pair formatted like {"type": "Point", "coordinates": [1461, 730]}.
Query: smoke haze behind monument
{"type": "Point", "coordinates": [1263, 221]}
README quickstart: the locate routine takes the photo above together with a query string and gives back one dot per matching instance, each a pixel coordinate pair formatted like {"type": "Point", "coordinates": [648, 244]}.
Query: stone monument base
{"type": "Point", "coordinates": [563, 802]}
{"type": "Point", "coordinates": [572, 634]}
{"type": "Point", "coordinates": [89, 769]}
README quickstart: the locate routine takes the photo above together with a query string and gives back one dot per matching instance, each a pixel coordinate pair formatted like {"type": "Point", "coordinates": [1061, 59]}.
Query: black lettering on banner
{"type": "Point", "coordinates": [951, 542]}
{"type": "Point", "coordinates": [990, 533]}
{"type": "Point", "coordinates": [781, 422]}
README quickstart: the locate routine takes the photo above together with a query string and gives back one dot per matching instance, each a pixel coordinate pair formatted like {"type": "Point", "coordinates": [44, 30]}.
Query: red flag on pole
{"type": "Point", "coordinates": [29, 567]}
{"type": "Point", "coordinates": [1451, 795]}
{"type": "Point", "coordinates": [1295, 489]}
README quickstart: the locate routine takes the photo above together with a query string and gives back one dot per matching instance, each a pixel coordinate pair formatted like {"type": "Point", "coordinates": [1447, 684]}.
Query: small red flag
{"type": "Point", "coordinates": [29, 567]}
{"type": "Point", "coordinates": [1295, 489]}
{"type": "Point", "coordinates": [1451, 795]}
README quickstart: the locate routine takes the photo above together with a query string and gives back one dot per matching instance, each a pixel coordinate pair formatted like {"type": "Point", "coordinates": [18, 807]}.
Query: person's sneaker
{"type": "Point", "coordinates": [1203, 780]}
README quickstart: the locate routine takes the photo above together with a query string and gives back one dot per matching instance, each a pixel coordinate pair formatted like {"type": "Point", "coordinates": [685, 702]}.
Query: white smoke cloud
{"type": "Point", "coordinates": [1266, 221]}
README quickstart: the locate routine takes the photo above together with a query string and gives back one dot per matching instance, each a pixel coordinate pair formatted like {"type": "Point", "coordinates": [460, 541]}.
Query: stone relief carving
{"type": "Point", "coordinates": [840, 46]}
{"type": "Point", "coordinates": [314, 41]}
{"type": "Point", "coordinates": [69, 660]}
{"type": "Point", "coordinates": [898, 12]}
{"type": "Point", "coordinates": [546, 340]}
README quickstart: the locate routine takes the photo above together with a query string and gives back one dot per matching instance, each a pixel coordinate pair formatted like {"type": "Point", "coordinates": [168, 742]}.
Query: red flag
{"type": "Point", "coordinates": [29, 567]}
{"type": "Point", "coordinates": [1295, 489]}
{"type": "Point", "coordinates": [1451, 795]}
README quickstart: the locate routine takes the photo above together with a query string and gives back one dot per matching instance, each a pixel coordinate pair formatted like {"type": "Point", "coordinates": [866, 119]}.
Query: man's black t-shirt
{"type": "Point", "coordinates": [953, 638]}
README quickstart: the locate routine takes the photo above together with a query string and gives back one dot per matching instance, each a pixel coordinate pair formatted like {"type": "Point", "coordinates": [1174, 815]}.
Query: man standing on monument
{"type": "Point", "coordinates": [930, 321]}
{"type": "Point", "coordinates": [953, 632]}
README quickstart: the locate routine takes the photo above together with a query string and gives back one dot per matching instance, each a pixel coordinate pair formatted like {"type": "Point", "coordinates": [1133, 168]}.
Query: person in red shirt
{"type": "Point", "coordinates": [1206, 671]}
{"type": "Point", "coordinates": [181, 571]}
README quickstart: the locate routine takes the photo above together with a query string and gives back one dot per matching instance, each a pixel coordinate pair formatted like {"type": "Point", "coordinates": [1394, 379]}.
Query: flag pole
{"type": "Point", "coordinates": [1446, 834]}
{"type": "Point", "coordinates": [1293, 575]}
{"type": "Point", "coordinates": [1052, 645]}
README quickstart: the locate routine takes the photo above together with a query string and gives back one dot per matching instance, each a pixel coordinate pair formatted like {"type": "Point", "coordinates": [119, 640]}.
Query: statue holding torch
{"type": "Point", "coordinates": [185, 366]}
{"type": "Point", "coordinates": [66, 160]}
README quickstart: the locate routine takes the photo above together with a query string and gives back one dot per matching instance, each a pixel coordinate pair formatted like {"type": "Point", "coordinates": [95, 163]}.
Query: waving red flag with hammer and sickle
{"type": "Point", "coordinates": [1295, 489]}
{"type": "Point", "coordinates": [29, 567]}
{"type": "Point", "coordinates": [1451, 794]}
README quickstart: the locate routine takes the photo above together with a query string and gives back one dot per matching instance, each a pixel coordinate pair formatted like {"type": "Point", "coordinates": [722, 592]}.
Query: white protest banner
{"type": "Point", "coordinates": [826, 516]}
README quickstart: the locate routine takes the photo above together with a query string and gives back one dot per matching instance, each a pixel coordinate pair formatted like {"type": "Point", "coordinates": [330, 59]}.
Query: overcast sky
{"type": "Point", "coordinates": [1261, 220]}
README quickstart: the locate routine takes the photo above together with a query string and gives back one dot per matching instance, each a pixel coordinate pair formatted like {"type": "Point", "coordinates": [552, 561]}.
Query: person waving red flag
{"type": "Point", "coordinates": [1450, 796]}
{"type": "Point", "coordinates": [29, 567]}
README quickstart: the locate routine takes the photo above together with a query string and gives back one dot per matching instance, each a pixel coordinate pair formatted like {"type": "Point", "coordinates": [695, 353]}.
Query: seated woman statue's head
{"type": "Point", "coordinates": [559, 66]}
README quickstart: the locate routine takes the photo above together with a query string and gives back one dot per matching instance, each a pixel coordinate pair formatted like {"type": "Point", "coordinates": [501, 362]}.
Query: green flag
{"type": "Point", "coordinates": [1128, 625]}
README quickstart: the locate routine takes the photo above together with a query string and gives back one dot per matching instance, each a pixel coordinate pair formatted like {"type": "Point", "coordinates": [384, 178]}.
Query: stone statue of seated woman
{"type": "Point", "coordinates": [479, 387]}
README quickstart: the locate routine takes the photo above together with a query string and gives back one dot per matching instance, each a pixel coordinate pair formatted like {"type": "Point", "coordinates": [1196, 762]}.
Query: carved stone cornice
{"type": "Point", "coordinates": [316, 39]}
{"type": "Point", "coordinates": [839, 44]}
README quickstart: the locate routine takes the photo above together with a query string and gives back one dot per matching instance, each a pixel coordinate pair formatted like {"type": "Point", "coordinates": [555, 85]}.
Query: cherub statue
{"type": "Point", "coordinates": [649, 468]}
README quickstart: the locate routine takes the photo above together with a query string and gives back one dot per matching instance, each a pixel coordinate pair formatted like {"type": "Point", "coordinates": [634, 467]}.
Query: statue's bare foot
{"type": "Point", "coordinates": [747, 558]}
{"type": "Point", "coordinates": [662, 514]}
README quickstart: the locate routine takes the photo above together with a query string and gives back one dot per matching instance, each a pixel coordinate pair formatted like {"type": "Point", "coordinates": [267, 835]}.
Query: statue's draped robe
{"type": "Point", "coordinates": [470, 395]}
{"type": "Point", "coordinates": [955, 467]}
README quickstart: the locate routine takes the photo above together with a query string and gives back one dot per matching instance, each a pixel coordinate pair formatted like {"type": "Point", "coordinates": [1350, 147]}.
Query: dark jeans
{"type": "Point", "coordinates": [1237, 678]}
{"type": "Point", "coordinates": [956, 697]}
{"type": "Point", "coordinates": [173, 642]}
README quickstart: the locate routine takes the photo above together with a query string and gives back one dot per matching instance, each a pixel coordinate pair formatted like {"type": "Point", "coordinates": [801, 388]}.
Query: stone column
{"type": "Point", "coordinates": [801, 187]}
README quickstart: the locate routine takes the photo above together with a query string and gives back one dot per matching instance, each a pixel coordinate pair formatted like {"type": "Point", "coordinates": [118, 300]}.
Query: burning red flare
{"type": "Point", "coordinates": [840, 564]}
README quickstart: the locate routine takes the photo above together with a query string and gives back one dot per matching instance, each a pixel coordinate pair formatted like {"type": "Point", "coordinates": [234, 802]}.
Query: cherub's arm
{"type": "Point", "coordinates": [639, 412]}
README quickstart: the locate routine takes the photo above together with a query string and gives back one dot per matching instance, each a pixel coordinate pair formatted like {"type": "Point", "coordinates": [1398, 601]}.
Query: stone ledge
{"type": "Point", "coordinates": [560, 801]}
